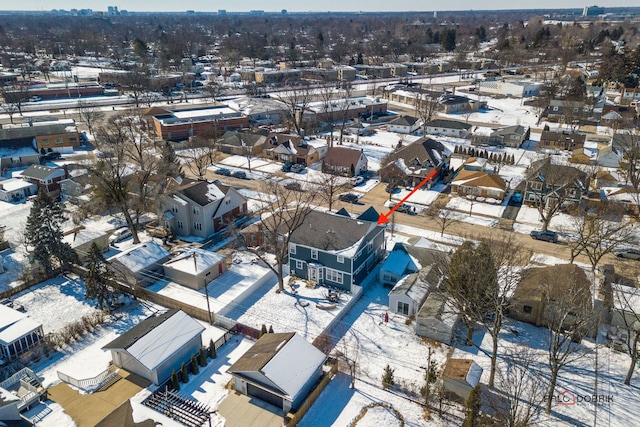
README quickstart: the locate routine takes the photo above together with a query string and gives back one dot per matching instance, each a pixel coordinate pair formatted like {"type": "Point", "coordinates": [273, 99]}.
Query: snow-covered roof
{"type": "Point", "coordinates": [142, 256]}
{"type": "Point", "coordinates": [81, 237]}
{"type": "Point", "coordinates": [194, 261]}
{"type": "Point", "coordinates": [14, 325]}
{"type": "Point", "coordinates": [156, 339]}
{"type": "Point", "coordinates": [286, 359]}
{"type": "Point", "coordinates": [13, 184]}
{"type": "Point", "coordinates": [626, 298]}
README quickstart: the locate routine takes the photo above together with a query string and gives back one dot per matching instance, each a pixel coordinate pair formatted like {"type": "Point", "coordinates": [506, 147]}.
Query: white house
{"type": "Point", "coordinates": [15, 190]}
{"type": "Point", "coordinates": [410, 292]}
{"type": "Point", "coordinates": [157, 346]}
{"type": "Point", "coordinates": [437, 319]}
{"type": "Point", "coordinates": [18, 333]}
{"type": "Point", "coordinates": [448, 128]}
{"type": "Point", "coordinates": [404, 124]}
{"type": "Point", "coordinates": [195, 268]}
{"type": "Point", "coordinates": [344, 161]}
{"type": "Point", "coordinates": [280, 369]}
{"type": "Point", "coordinates": [141, 264]}
{"type": "Point", "coordinates": [460, 376]}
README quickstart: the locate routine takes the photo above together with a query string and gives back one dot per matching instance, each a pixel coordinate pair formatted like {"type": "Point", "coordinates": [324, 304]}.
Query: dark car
{"type": "Point", "coordinates": [239, 174]}
{"type": "Point", "coordinates": [297, 168]}
{"type": "Point", "coordinates": [53, 156]}
{"type": "Point", "coordinates": [547, 236]}
{"type": "Point", "coordinates": [348, 197]}
{"type": "Point", "coordinates": [294, 186]}
{"type": "Point", "coordinates": [287, 167]}
{"type": "Point", "coordinates": [223, 171]}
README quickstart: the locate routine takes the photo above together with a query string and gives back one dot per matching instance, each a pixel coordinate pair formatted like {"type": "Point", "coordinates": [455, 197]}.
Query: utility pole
{"type": "Point", "coordinates": [427, 394]}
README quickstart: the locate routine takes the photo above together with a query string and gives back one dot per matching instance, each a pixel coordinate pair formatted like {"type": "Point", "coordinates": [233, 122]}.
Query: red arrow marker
{"type": "Point", "coordinates": [384, 218]}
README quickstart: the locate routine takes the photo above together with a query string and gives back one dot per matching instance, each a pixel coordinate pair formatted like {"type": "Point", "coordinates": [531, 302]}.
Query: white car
{"type": "Point", "coordinates": [119, 235]}
{"type": "Point", "coordinates": [357, 180]}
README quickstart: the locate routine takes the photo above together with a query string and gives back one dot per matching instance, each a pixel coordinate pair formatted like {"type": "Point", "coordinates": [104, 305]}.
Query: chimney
{"type": "Point", "coordinates": [66, 171]}
{"type": "Point", "coordinates": [453, 91]}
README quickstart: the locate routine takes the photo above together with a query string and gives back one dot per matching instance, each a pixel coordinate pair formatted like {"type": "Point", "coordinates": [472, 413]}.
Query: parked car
{"type": "Point", "coordinates": [357, 180]}
{"type": "Point", "coordinates": [404, 208]}
{"type": "Point", "coordinates": [348, 197]}
{"type": "Point", "coordinates": [54, 155]}
{"type": "Point", "coordinates": [517, 197]}
{"type": "Point", "coordinates": [35, 99]}
{"type": "Point", "coordinates": [297, 168]}
{"type": "Point", "coordinates": [546, 235]}
{"type": "Point", "coordinates": [119, 235]}
{"type": "Point", "coordinates": [239, 174]}
{"type": "Point", "coordinates": [223, 171]}
{"type": "Point", "coordinates": [629, 254]}
{"type": "Point", "coordinates": [295, 186]}
{"type": "Point", "coordinates": [287, 167]}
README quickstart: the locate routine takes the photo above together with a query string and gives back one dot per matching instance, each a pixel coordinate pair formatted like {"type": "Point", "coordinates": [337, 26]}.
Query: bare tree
{"type": "Point", "coordinates": [522, 390]}
{"type": "Point", "coordinates": [199, 153]}
{"type": "Point", "coordinates": [285, 211]}
{"type": "Point", "coordinates": [568, 316]}
{"type": "Point", "coordinates": [90, 115]}
{"type": "Point", "coordinates": [441, 215]}
{"type": "Point", "coordinates": [426, 106]}
{"type": "Point", "coordinates": [297, 101]}
{"type": "Point", "coordinates": [343, 107]}
{"type": "Point", "coordinates": [625, 312]}
{"type": "Point", "coordinates": [348, 353]}
{"type": "Point", "coordinates": [629, 167]}
{"type": "Point", "coordinates": [330, 187]}
{"type": "Point", "coordinates": [329, 109]}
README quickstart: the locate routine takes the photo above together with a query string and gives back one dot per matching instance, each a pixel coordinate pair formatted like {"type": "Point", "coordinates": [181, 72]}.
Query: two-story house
{"type": "Point", "coordinates": [199, 208]}
{"type": "Point", "coordinates": [344, 161]}
{"type": "Point", "coordinates": [336, 250]}
{"type": "Point", "coordinates": [509, 136]}
{"type": "Point", "coordinates": [46, 178]}
{"type": "Point", "coordinates": [411, 164]}
{"type": "Point", "coordinates": [545, 182]}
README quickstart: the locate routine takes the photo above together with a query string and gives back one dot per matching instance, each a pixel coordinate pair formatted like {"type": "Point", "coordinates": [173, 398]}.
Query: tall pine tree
{"type": "Point", "coordinates": [96, 280]}
{"type": "Point", "coordinates": [169, 163]}
{"type": "Point", "coordinates": [43, 234]}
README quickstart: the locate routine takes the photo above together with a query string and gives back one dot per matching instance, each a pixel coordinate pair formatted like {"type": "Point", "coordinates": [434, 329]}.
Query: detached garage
{"type": "Point", "coordinates": [280, 369]}
{"type": "Point", "coordinates": [157, 345]}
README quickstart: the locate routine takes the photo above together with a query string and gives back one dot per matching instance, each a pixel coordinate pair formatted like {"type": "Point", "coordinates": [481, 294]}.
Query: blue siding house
{"type": "Point", "coordinates": [335, 249]}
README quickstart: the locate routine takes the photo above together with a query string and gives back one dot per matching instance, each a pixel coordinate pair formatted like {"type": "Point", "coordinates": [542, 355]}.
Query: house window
{"type": "Point", "coordinates": [314, 253]}
{"type": "Point", "coordinates": [197, 226]}
{"type": "Point", "coordinates": [527, 309]}
{"type": "Point", "coordinates": [340, 259]}
{"type": "Point", "coordinates": [536, 185]}
{"type": "Point", "coordinates": [195, 211]}
{"type": "Point", "coordinates": [403, 308]}
{"type": "Point", "coordinates": [180, 224]}
{"type": "Point", "coordinates": [58, 140]}
{"type": "Point", "coordinates": [292, 248]}
{"type": "Point", "coordinates": [299, 265]}
{"type": "Point", "coordinates": [174, 209]}
{"type": "Point", "coordinates": [387, 277]}
{"type": "Point", "coordinates": [333, 275]}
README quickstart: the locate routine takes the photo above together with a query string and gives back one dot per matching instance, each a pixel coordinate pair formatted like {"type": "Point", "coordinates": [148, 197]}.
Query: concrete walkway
{"type": "Point", "coordinates": [243, 411]}
{"type": "Point", "coordinates": [87, 410]}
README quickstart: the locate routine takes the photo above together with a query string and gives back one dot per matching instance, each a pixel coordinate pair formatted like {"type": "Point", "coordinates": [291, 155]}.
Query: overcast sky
{"type": "Point", "coordinates": [313, 5]}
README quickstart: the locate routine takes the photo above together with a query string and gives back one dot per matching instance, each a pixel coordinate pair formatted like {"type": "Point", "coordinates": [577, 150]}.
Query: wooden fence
{"type": "Point", "coordinates": [32, 280]}
{"type": "Point", "coordinates": [294, 419]}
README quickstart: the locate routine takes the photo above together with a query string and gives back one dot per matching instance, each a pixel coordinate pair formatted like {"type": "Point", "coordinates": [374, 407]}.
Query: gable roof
{"type": "Point", "coordinates": [342, 156]}
{"type": "Point", "coordinates": [332, 233]}
{"type": "Point", "coordinates": [194, 261]}
{"type": "Point", "coordinates": [142, 256]}
{"type": "Point", "coordinates": [479, 179]}
{"type": "Point", "coordinates": [424, 150]}
{"type": "Point", "coordinates": [449, 124]}
{"type": "Point", "coordinates": [462, 370]}
{"type": "Point", "coordinates": [532, 283]}
{"type": "Point", "coordinates": [549, 135]}
{"type": "Point", "coordinates": [542, 169]}
{"type": "Point", "coordinates": [39, 172]}
{"type": "Point", "coordinates": [517, 129]}
{"type": "Point", "coordinates": [202, 192]}
{"type": "Point", "coordinates": [242, 139]}
{"type": "Point", "coordinates": [157, 338]}
{"type": "Point", "coordinates": [286, 359]}
{"type": "Point", "coordinates": [371, 215]}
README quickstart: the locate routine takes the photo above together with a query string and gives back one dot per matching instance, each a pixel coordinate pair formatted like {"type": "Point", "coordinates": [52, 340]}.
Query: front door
{"type": "Point", "coordinates": [313, 273]}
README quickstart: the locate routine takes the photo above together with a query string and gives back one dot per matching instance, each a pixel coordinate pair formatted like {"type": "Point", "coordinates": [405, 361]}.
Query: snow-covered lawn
{"type": "Point", "coordinates": [530, 217]}
{"type": "Point", "coordinates": [12, 264]}
{"type": "Point", "coordinates": [56, 302]}
{"type": "Point", "coordinates": [463, 204]}
{"type": "Point", "coordinates": [14, 218]}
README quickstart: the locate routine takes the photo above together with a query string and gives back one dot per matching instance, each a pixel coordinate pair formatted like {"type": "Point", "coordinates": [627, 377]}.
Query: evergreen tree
{"type": "Point", "coordinates": [473, 408]}
{"type": "Point", "coordinates": [96, 280]}
{"type": "Point", "coordinates": [270, 329]}
{"type": "Point", "coordinates": [184, 375]}
{"type": "Point", "coordinates": [387, 377]}
{"type": "Point", "coordinates": [169, 163]}
{"type": "Point", "coordinates": [202, 357]}
{"type": "Point", "coordinates": [448, 39]}
{"type": "Point", "coordinates": [193, 364]}
{"type": "Point", "coordinates": [212, 350]}
{"type": "Point", "coordinates": [175, 384]}
{"type": "Point", "coordinates": [44, 236]}
{"type": "Point", "coordinates": [263, 330]}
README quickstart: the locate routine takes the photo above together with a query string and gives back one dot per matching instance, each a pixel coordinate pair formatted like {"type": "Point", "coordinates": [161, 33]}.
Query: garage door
{"type": "Point", "coordinates": [264, 395]}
